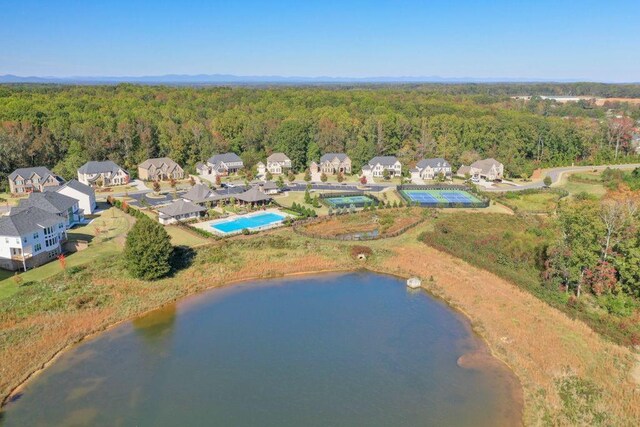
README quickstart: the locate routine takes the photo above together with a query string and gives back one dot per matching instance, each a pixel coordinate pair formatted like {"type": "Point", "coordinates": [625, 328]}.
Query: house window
{"type": "Point", "coordinates": [37, 247]}
{"type": "Point", "coordinates": [35, 235]}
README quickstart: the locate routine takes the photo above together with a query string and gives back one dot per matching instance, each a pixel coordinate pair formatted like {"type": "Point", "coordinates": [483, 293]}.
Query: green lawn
{"type": "Point", "coordinates": [536, 202]}
{"type": "Point", "coordinates": [106, 237]}
{"type": "Point", "coordinates": [291, 197]}
{"type": "Point", "coordinates": [182, 237]}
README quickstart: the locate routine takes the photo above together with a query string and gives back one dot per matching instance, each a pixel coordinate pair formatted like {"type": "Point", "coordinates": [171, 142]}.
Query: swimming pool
{"type": "Point", "coordinates": [251, 222]}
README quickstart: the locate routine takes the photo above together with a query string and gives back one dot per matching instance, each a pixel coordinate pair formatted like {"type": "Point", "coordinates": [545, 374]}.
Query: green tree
{"type": "Point", "coordinates": [547, 181]}
{"type": "Point", "coordinates": [148, 250]}
{"type": "Point", "coordinates": [323, 177]}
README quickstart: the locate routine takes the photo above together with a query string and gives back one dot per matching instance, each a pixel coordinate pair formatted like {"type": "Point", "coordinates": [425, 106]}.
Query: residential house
{"type": "Point", "coordinates": [262, 169]}
{"type": "Point", "coordinates": [102, 174]}
{"type": "Point", "coordinates": [487, 169]}
{"type": "Point", "coordinates": [221, 164]}
{"type": "Point", "coordinates": [30, 238]}
{"type": "Point", "coordinates": [160, 169]}
{"type": "Point", "coordinates": [180, 210]}
{"type": "Point", "coordinates": [431, 169]}
{"type": "Point", "coordinates": [84, 194]}
{"type": "Point", "coordinates": [376, 167]}
{"type": "Point", "coordinates": [278, 163]}
{"type": "Point", "coordinates": [59, 204]}
{"type": "Point", "coordinates": [335, 163]}
{"type": "Point", "coordinates": [27, 180]}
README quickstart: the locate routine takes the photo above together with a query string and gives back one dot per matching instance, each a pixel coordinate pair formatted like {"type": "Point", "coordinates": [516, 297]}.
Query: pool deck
{"type": "Point", "coordinates": [206, 225]}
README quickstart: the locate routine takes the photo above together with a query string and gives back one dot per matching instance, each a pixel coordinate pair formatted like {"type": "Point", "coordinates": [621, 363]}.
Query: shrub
{"type": "Point", "coordinates": [148, 250]}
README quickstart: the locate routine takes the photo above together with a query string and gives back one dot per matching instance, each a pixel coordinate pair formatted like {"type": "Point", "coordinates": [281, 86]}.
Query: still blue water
{"type": "Point", "coordinates": [356, 349]}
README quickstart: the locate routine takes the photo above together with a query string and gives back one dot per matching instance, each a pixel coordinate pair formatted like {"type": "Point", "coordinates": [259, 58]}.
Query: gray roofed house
{"type": "Point", "coordinates": [179, 210]}
{"type": "Point", "coordinates": [105, 173]}
{"type": "Point", "coordinates": [29, 238]}
{"type": "Point", "coordinates": [26, 180]}
{"type": "Point", "coordinates": [159, 169]}
{"type": "Point", "coordinates": [221, 164]}
{"type": "Point", "coordinates": [84, 194]}
{"type": "Point", "coordinates": [430, 169]}
{"type": "Point", "coordinates": [26, 221]}
{"type": "Point", "coordinates": [379, 164]}
{"type": "Point", "coordinates": [55, 203]}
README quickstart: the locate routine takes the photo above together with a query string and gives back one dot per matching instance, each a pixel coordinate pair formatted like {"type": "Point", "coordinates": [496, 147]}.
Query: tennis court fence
{"type": "Point", "coordinates": [482, 202]}
{"type": "Point", "coordinates": [346, 199]}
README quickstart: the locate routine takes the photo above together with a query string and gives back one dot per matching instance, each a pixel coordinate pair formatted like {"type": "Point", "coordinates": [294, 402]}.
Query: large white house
{"type": "Point", "coordinates": [84, 194]}
{"type": "Point", "coordinates": [431, 169]}
{"type": "Point", "coordinates": [102, 174]}
{"type": "Point", "coordinates": [376, 167]}
{"type": "Point", "coordinates": [220, 164]}
{"type": "Point", "coordinates": [29, 238]}
{"type": "Point", "coordinates": [487, 169]}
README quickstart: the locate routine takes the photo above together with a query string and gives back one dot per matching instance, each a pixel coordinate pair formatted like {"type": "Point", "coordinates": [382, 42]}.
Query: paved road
{"type": "Point", "coordinates": [556, 176]}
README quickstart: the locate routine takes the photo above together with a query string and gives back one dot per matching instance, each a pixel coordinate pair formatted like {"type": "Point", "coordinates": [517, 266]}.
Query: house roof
{"type": "Point", "coordinates": [157, 162]}
{"type": "Point", "coordinates": [41, 171]}
{"type": "Point", "coordinates": [486, 164]}
{"type": "Point", "coordinates": [199, 193]}
{"type": "Point", "coordinates": [48, 201]}
{"type": "Point", "coordinates": [180, 207]}
{"type": "Point", "coordinates": [224, 158]}
{"type": "Point", "coordinates": [27, 221]}
{"type": "Point", "coordinates": [278, 157]}
{"type": "Point", "coordinates": [464, 170]}
{"type": "Point", "coordinates": [254, 194]}
{"type": "Point", "coordinates": [330, 156]}
{"type": "Point", "coordinates": [94, 167]}
{"type": "Point", "coordinates": [383, 160]}
{"type": "Point", "coordinates": [78, 186]}
{"type": "Point", "coordinates": [437, 162]}
{"type": "Point", "coordinates": [269, 185]}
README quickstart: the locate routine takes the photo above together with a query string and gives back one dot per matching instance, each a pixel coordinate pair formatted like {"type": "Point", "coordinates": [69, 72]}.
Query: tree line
{"type": "Point", "coordinates": [64, 126]}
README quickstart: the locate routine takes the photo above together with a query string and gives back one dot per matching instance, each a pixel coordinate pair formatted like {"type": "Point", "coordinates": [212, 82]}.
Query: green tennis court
{"type": "Point", "coordinates": [346, 201]}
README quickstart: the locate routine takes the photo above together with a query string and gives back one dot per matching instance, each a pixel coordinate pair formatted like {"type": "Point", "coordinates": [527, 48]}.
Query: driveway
{"type": "Point", "coordinates": [556, 176]}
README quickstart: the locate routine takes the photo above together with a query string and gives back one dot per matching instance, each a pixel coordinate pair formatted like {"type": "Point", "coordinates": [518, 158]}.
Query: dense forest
{"type": "Point", "coordinates": [63, 126]}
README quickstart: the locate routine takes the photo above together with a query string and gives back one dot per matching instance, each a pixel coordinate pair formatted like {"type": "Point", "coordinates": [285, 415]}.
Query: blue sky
{"type": "Point", "coordinates": [581, 39]}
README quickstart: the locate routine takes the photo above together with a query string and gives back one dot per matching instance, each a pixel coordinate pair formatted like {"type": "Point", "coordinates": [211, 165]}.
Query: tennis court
{"type": "Point", "coordinates": [435, 197]}
{"type": "Point", "coordinates": [345, 201]}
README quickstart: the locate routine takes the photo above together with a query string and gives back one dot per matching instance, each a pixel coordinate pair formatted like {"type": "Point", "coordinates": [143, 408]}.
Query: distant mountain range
{"type": "Point", "coordinates": [224, 79]}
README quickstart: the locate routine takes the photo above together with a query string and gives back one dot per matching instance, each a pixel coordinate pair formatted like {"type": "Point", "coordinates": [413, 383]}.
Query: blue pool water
{"type": "Point", "coordinates": [249, 222]}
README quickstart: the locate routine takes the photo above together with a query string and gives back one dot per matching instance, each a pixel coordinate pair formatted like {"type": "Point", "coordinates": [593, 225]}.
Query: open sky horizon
{"type": "Point", "coordinates": [536, 40]}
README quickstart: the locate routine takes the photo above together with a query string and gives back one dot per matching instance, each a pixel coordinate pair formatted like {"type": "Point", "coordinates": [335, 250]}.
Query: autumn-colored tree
{"type": "Point", "coordinates": [156, 186]}
{"type": "Point", "coordinates": [601, 278]}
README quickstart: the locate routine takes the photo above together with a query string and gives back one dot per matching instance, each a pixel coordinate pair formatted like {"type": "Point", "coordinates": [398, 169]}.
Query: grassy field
{"type": "Point", "coordinates": [383, 221]}
{"type": "Point", "coordinates": [562, 365]}
{"type": "Point", "coordinates": [534, 202]}
{"type": "Point", "coordinates": [291, 197]}
{"type": "Point", "coordinates": [182, 237]}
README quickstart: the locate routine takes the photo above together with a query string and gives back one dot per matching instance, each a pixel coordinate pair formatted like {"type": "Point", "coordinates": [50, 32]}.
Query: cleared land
{"type": "Point", "coordinates": [383, 221]}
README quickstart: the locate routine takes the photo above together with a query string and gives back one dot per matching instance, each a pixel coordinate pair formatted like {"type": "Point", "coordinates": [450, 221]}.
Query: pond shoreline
{"type": "Point", "coordinates": [483, 356]}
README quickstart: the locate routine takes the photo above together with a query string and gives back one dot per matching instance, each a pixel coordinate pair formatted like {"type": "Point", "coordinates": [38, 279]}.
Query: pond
{"type": "Point", "coordinates": [335, 349]}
